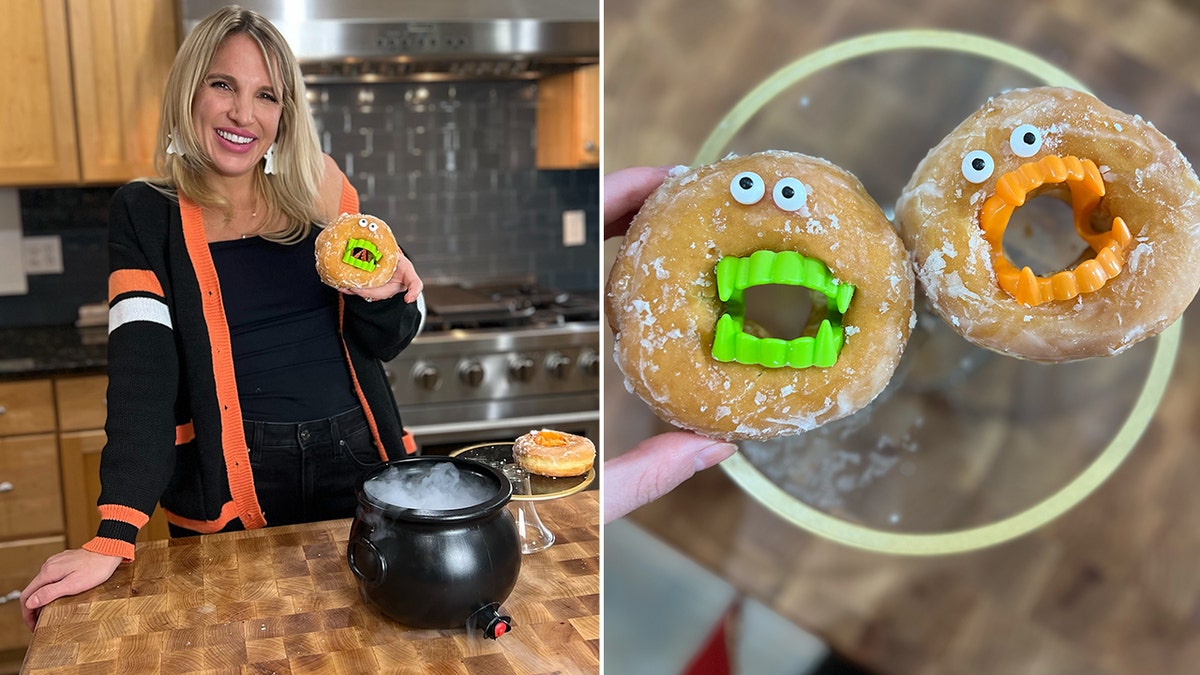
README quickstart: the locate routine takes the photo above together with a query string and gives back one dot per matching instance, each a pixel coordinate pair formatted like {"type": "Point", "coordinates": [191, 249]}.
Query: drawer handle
{"type": "Point", "coordinates": [6, 487]}
{"type": "Point", "coordinates": [12, 595]}
{"type": "Point", "coordinates": [3, 410]}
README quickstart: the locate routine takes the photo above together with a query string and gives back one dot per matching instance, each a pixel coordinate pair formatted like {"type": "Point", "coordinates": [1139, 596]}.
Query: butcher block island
{"type": "Point", "coordinates": [283, 600]}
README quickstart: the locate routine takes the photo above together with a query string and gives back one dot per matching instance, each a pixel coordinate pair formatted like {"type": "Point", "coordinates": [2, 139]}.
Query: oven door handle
{"type": "Point", "coordinates": [536, 421]}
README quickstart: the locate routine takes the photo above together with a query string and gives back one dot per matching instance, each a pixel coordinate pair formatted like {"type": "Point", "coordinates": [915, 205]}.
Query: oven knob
{"type": "Point", "coordinates": [520, 368]}
{"type": "Point", "coordinates": [558, 365]}
{"type": "Point", "coordinates": [590, 362]}
{"type": "Point", "coordinates": [470, 373]}
{"type": "Point", "coordinates": [426, 376]}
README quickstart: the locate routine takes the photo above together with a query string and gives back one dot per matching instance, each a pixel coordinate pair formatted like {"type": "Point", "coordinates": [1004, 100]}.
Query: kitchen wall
{"type": "Point", "coordinates": [449, 166]}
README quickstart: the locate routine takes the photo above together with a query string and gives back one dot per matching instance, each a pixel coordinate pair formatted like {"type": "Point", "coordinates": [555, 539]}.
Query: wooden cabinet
{"type": "Point", "coordinates": [31, 511]}
{"type": "Point", "coordinates": [102, 129]}
{"type": "Point", "coordinates": [26, 407]}
{"type": "Point", "coordinates": [19, 562]}
{"type": "Point", "coordinates": [38, 145]}
{"type": "Point", "coordinates": [568, 119]}
{"type": "Point", "coordinates": [82, 409]}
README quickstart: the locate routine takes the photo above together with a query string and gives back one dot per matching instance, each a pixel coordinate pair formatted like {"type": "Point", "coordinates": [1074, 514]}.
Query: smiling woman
{"type": "Point", "coordinates": [243, 392]}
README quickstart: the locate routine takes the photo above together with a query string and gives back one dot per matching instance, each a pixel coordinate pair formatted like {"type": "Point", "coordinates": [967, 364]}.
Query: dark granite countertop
{"type": "Point", "coordinates": [42, 351]}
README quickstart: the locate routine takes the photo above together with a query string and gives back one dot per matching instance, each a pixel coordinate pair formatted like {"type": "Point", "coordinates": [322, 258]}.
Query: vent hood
{"type": "Point", "coordinates": [428, 40]}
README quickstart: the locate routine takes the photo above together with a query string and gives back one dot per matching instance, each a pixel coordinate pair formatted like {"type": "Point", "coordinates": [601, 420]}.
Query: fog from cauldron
{"type": "Point", "coordinates": [440, 487]}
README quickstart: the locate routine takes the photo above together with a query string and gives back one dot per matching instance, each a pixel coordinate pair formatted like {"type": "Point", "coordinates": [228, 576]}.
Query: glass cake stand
{"type": "Point", "coordinates": [965, 448]}
{"type": "Point", "coordinates": [528, 488]}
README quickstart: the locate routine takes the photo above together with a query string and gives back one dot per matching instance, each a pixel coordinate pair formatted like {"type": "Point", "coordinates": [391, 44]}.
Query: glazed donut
{"type": "Point", "coordinates": [356, 251]}
{"type": "Point", "coordinates": [554, 453]}
{"type": "Point", "coordinates": [676, 297]}
{"type": "Point", "coordinates": [1136, 211]}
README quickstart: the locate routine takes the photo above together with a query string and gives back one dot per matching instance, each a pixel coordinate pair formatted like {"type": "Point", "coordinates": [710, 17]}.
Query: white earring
{"type": "Point", "coordinates": [269, 165]}
{"type": "Point", "coordinates": [173, 149]}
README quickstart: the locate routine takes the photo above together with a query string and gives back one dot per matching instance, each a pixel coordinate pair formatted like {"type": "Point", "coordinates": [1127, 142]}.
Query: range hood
{"type": "Point", "coordinates": [427, 40]}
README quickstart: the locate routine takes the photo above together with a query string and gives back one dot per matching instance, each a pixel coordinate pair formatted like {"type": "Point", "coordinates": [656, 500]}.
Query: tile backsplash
{"type": "Point", "coordinates": [450, 166]}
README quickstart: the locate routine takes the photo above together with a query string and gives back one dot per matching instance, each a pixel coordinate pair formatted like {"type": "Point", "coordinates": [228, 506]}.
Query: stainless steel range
{"type": "Point", "coordinates": [494, 362]}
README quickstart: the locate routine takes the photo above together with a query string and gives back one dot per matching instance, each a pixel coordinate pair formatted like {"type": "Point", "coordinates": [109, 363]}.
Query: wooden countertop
{"type": "Point", "coordinates": [1112, 586]}
{"type": "Point", "coordinates": [283, 600]}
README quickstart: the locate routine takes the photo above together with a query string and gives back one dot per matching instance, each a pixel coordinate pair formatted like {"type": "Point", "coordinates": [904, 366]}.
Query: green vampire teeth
{"type": "Point", "coordinates": [735, 275]}
{"type": "Point", "coordinates": [361, 253]}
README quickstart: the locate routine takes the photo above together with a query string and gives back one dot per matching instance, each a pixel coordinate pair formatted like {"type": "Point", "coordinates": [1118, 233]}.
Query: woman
{"type": "Point", "coordinates": [242, 391]}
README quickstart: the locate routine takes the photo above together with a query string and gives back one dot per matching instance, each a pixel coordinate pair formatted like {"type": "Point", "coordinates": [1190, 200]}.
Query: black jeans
{"type": "Point", "coordinates": [308, 471]}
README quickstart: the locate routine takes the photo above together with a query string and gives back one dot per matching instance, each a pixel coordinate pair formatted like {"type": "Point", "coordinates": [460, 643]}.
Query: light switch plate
{"type": "Point", "coordinates": [12, 269]}
{"type": "Point", "coordinates": [43, 254]}
{"type": "Point", "coordinates": [574, 228]}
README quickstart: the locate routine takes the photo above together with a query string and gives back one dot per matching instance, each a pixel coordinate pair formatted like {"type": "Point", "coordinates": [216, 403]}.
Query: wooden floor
{"type": "Point", "coordinates": [1113, 586]}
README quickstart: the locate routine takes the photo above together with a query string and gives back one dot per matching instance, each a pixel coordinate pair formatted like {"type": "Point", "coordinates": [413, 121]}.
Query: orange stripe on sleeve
{"type": "Point", "coordinates": [108, 546]}
{"type": "Point", "coordinates": [185, 433]}
{"type": "Point", "coordinates": [124, 281]}
{"type": "Point", "coordinates": [123, 514]}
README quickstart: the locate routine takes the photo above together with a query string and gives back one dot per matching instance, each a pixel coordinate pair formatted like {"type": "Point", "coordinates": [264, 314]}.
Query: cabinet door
{"type": "Point", "coordinates": [122, 51]}
{"type": "Point", "coordinates": [26, 407]}
{"type": "Point", "coordinates": [587, 110]}
{"type": "Point", "coordinates": [79, 452]}
{"type": "Point", "coordinates": [568, 119]}
{"type": "Point", "coordinates": [30, 493]}
{"type": "Point", "coordinates": [82, 402]}
{"type": "Point", "coordinates": [38, 143]}
{"type": "Point", "coordinates": [20, 562]}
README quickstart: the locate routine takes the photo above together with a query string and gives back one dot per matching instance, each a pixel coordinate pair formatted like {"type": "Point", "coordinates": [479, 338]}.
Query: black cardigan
{"type": "Point", "coordinates": [174, 427]}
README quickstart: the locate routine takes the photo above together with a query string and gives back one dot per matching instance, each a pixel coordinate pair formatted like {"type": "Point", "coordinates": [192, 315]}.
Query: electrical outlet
{"type": "Point", "coordinates": [574, 228]}
{"type": "Point", "coordinates": [43, 254]}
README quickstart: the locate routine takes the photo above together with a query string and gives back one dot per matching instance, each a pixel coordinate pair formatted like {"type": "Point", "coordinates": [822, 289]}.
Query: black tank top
{"type": "Point", "coordinates": [287, 354]}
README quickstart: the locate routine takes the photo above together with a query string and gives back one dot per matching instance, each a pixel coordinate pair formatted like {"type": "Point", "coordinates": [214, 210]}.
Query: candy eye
{"type": "Point", "coordinates": [977, 166]}
{"type": "Point", "coordinates": [747, 187]}
{"type": "Point", "coordinates": [1026, 140]}
{"type": "Point", "coordinates": [789, 194]}
{"type": "Point", "coordinates": [363, 222]}
{"type": "Point", "coordinates": [372, 227]}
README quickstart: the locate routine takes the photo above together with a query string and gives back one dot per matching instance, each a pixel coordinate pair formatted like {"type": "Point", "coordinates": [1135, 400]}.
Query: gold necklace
{"type": "Point", "coordinates": [228, 221]}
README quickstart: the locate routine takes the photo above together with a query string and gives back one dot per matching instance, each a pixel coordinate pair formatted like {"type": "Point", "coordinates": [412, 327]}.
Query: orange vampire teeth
{"type": "Point", "coordinates": [1082, 178]}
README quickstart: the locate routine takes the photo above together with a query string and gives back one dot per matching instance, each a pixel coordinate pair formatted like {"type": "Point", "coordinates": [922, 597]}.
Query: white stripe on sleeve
{"type": "Point", "coordinates": [138, 309]}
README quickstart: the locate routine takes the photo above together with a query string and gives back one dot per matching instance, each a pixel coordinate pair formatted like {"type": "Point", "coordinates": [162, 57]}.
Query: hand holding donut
{"type": "Point", "coordinates": [659, 464]}
{"type": "Point", "coordinates": [358, 255]}
{"type": "Point", "coordinates": [403, 280]}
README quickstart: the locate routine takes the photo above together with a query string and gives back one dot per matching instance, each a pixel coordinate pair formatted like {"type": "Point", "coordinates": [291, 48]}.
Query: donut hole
{"type": "Point", "coordinates": [783, 311]}
{"type": "Point", "coordinates": [1041, 234]}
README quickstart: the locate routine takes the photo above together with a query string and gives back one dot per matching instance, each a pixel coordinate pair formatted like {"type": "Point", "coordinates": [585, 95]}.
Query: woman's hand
{"type": "Point", "coordinates": [660, 463]}
{"type": "Point", "coordinates": [656, 466]}
{"type": "Point", "coordinates": [67, 573]}
{"type": "Point", "coordinates": [624, 193]}
{"type": "Point", "coordinates": [404, 280]}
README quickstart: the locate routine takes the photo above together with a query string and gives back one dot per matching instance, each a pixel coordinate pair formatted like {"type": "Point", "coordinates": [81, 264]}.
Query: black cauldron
{"type": "Point", "coordinates": [436, 567]}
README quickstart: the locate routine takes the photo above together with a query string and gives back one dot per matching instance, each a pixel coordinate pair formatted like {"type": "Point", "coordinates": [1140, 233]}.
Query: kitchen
{"type": "Point", "coordinates": [461, 148]}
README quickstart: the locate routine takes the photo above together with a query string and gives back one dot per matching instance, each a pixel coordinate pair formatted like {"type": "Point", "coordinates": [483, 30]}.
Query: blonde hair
{"type": "Point", "coordinates": [294, 189]}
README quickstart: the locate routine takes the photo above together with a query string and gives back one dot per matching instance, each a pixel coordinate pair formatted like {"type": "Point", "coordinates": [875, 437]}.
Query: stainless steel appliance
{"type": "Point", "coordinates": [428, 40]}
{"type": "Point", "coordinates": [493, 362]}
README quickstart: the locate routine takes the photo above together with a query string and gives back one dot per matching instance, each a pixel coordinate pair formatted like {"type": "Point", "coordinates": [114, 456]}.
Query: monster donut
{"type": "Point", "coordinates": [677, 297]}
{"type": "Point", "coordinates": [356, 251]}
{"type": "Point", "coordinates": [1135, 205]}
